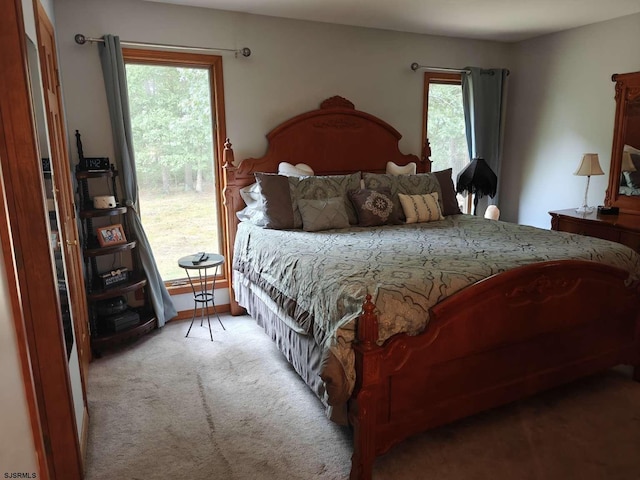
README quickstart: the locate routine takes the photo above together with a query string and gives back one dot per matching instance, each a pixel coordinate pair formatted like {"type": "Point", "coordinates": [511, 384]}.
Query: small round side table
{"type": "Point", "coordinates": [201, 294]}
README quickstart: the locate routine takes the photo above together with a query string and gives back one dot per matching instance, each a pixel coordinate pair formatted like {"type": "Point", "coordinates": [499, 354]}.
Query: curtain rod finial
{"type": "Point", "coordinates": [246, 52]}
{"type": "Point", "coordinates": [80, 39]}
{"type": "Point", "coordinates": [414, 66]}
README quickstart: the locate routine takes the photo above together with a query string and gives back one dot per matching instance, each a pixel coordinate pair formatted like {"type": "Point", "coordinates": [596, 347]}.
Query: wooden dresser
{"type": "Point", "coordinates": [622, 228]}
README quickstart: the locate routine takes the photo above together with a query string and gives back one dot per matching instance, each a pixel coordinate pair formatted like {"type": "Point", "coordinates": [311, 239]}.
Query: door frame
{"type": "Point", "coordinates": [25, 220]}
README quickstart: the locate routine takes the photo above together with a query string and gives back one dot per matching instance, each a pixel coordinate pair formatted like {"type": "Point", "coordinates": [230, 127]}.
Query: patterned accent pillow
{"type": "Point", "coordinates": [374, 207]}
{"type": "Point", "coordinates": [421, 208]}
{"type": "Point", "coordinates": [276, 200]}
{"type": "Point", "coordinates": [418, 184]}
{"type": "Point", "coordinates": [323, 214]}
{"type": "Point", "coordinates": [323, 187]}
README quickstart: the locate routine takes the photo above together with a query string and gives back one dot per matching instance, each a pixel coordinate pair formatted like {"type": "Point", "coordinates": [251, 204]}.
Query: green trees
{"type": "Point", "coordinates": [171, 123]}
{"type": "Point", "coordinates": [445, 129]}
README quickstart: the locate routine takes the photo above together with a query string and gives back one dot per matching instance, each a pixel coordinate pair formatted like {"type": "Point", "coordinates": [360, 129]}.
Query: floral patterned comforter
{"type": "Point", "coordinates": [321, 278]}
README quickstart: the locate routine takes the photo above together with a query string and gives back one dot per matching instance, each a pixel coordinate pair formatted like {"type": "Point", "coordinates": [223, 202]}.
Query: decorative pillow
{"type": "Point", "coordinates": [418, 184]}
{"type": "Point", "coordinates": [299, 170]}
{"type": "Point", "coordinates": [276, 196]}
{"type": "Point", "coordinates": [323, 187]}
{"type": "Point", "coordinates": [421, 208]}
{"type": "Point", "coordinates": [323, 214]}
{"type": "Point", "coordinates": [374, 207]}
{"type": "Point", "coordinates": [449, 200]}
{"type": "Point", "coordinates": [395, 169]}
{"type": "Point", "coordinates": [635, 159]}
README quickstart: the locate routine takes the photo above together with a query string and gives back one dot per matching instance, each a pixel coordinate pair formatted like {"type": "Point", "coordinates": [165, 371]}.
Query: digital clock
{"type": "Point", "coordinates": [94, 163]}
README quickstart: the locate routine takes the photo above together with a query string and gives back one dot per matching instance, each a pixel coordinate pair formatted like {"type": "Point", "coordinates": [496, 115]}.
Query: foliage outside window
{"type": "Point", "coordinates": [445, 125]}
{"type": "Point", "coordinates": [171, 117]}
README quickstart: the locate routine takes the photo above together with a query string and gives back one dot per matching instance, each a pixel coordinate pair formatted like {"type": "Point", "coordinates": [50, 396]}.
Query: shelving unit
{"type": "Point", "coordinates": [101, 336]}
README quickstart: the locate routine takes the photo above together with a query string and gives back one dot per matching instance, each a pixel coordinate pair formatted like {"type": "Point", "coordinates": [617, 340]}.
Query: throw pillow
{"type": "Point", "coordinates": [326, 186]}
{"type": "Point", "coordinates": [449, 198]}
{"type": "Point", "coordinates": [418, 184]}
{"type": "Point", "coordinates": [421, 208]}
{"type": "Point", "coordinates": [276, 198]}
{"type": "Point", "coordinates": [395, 169]}
{"type": "Point", "coordinates": [299, 170]}
{"type": "Point", "coordinates": [374, 207]}
{"type": "Point", "coordinates": [323, 214]}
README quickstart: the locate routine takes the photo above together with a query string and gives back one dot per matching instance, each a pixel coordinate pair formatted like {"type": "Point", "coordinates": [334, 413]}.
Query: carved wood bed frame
{"type": "Point", "coordinates": [502, 339]}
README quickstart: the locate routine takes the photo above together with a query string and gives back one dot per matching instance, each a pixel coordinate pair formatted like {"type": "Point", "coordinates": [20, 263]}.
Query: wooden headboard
{"type": "Point", "coordinates": [334, 139]}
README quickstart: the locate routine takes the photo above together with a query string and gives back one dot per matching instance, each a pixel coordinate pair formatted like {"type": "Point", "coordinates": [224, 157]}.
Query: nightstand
{"type": "Point", "coordinates": [622, 228]}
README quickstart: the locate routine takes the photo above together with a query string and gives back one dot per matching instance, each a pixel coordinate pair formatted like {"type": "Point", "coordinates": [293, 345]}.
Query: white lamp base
{"type": "Point", "coordinates": [584, 209]}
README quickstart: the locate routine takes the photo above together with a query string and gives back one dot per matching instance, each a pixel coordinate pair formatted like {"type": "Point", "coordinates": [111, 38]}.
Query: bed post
{"type": "Point", "coordinates": [362, 406]}
{"type": "Point", "coordinates": [231, 199]}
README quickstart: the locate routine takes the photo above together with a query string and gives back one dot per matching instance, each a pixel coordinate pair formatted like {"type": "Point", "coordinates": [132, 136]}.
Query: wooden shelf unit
{"type": "Point", "coordinates": [101, 337]}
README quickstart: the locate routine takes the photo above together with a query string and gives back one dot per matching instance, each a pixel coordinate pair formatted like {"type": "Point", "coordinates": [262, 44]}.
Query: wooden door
{"type": "Point", "coordinates": [63, 190]}
{"type": "Point", "coordinates": [25, 226]}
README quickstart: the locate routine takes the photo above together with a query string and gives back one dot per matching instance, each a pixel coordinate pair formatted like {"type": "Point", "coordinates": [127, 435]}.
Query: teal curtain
{"type": "Point", "coordinates": [484, 93]}
{"type": "Point", "coordinates": [115, 81]}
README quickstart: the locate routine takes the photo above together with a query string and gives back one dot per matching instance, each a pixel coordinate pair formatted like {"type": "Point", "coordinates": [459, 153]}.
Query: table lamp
{"type": "Point", "coordinates": [589, 166]}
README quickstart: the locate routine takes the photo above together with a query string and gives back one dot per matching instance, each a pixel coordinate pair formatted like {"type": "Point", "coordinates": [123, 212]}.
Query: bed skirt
{"type": "Point", "coordinates": [325, 377]}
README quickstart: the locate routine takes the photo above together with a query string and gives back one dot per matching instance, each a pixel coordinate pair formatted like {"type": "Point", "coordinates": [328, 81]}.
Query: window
{"type": "Point", "coordinates": [177, 114]}
{"type": "Point", "coordinates": [445, 129]}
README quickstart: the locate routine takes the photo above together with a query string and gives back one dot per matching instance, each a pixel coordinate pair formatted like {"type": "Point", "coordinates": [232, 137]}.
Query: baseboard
{"type": "Point", "coordinates": [188, 314]}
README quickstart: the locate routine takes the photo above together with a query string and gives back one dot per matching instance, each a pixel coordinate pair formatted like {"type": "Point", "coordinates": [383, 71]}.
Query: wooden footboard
{"type": "Point", "coordinates": [500, 340]}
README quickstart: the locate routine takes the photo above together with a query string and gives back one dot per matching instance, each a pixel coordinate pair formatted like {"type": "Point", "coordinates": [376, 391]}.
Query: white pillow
{"type": "Point", "coordinates": [299, 170]}
{"type": "Point", "coordinates": [252, 195]}
{"type": "Point", "coordinates": [421, 208]}
{"type": "Point", "coordinates": [630, 149]}
{"type": "Point", "coordinates": [408, 169]}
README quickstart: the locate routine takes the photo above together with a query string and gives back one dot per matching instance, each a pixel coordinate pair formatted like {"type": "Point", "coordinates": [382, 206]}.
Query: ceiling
{"type": "Point", "coordinates": [500, 20]}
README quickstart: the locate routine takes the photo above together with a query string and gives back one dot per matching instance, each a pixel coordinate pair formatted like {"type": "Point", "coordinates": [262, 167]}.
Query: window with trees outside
{"type": "Point", "coordinates": [445, 129]}
{"type": "Point", "coordinates": [176, 109]}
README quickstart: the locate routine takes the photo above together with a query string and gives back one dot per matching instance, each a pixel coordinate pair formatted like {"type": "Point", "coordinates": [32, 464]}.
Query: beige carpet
{"type": "Point", "coordinates": [169, 407]}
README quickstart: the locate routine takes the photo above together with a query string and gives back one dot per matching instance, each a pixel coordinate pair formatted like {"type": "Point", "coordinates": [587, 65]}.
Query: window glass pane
{"type": "Point", "coordinates": [445, 129]}
{"type": "Point", "coordinates": [172, 134]}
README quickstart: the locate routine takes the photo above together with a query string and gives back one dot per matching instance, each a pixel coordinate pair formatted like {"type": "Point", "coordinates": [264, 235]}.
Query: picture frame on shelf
{"type": "Point", "coordinates": [111, 235]}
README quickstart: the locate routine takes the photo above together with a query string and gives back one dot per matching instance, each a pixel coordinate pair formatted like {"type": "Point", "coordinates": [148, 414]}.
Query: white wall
{"type": "Point", "coordinates": [294, 66]}
{"type": "Point", "coordinates": [561, 105]}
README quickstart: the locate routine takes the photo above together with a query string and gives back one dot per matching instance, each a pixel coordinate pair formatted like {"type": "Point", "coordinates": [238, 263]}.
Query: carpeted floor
{"type": "Point", "coordinates": [171, 407]}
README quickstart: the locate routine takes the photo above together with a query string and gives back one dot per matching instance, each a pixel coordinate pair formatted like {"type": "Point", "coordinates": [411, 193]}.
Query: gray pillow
{"type": "Point", "coordinates": [323, 214]}
{"type": "Point", "coordinates": [323, 187]}
{"type": "Point", "coordinates": [449, 200]}
{"type": "Point", "coordinates": [276, 198]}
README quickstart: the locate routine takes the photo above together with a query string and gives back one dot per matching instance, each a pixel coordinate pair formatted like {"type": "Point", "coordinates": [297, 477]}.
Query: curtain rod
{"type": "Point", "coordinates": [415, 66]}
{"type": "Point", "coordinates": [81, 40]}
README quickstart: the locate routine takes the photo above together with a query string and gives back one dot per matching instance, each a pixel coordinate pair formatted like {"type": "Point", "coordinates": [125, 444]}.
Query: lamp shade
{"type": "Point", "coordinates": [477, 178]}
{"type": "Point", "coordinates": [589, 166]}
{"type": "Point", "coordinates": [627, 163]}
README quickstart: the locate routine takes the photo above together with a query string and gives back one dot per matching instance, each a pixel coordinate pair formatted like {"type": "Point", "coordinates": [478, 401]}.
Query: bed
{"type": "Point", "coordinates": [506, 329]}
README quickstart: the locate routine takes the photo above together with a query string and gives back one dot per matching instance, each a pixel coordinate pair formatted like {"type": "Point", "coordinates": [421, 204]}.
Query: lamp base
{"type": "Point", "coordinates": [584, 209]}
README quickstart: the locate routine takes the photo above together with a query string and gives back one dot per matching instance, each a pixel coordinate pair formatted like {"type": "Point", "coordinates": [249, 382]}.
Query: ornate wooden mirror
{"type": "Point", "coordinates": [624, 174]}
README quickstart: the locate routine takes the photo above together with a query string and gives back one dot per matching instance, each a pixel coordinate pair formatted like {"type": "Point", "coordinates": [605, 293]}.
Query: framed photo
{"type": "Point", "coordinates": [111, 235]}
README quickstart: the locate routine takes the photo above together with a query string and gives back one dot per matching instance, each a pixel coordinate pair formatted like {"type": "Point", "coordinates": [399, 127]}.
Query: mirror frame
{"type": "Point", "coordinates": [627, 91]}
